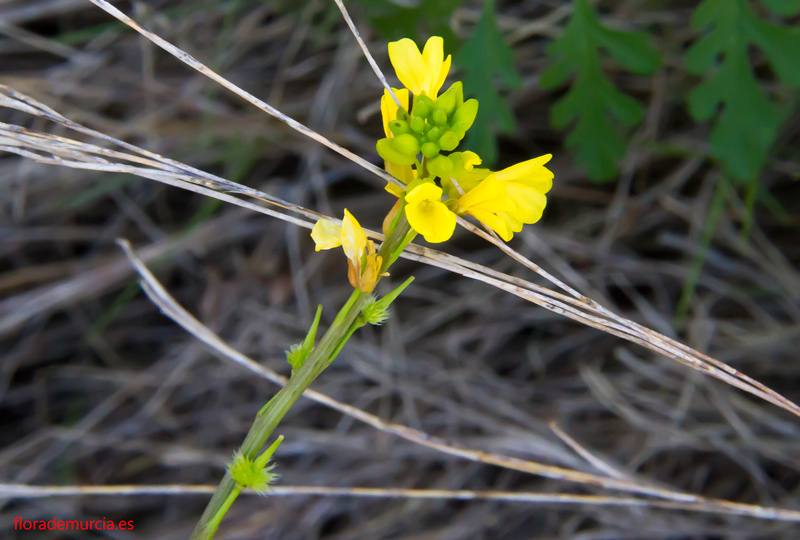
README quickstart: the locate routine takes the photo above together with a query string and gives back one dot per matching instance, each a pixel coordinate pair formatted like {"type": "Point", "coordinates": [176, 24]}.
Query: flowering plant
{"type": "Point", "coordinates": [436, 184]}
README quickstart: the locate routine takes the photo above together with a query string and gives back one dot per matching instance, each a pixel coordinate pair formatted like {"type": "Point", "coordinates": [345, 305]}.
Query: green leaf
{"type": "Point", "coordinates": [746, 120]}
{"type": "Point", "coordinates": [484, 58]}
{"type": "Point", "coordinates": [783, 7]}
{"type": "Point", "coordinates": [596, 109]}
{"type": "Point", "coordinates": [630, 49]}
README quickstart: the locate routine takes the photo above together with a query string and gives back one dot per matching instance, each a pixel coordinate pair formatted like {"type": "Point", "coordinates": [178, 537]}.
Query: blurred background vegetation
{"type": "Point", "coordinates": [674, 128]}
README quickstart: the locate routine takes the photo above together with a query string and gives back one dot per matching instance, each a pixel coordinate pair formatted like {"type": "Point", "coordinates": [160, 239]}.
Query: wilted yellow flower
{"type": "Point", "coordinates": [326, 235]}
{"type": "Point", "coordinates": [363, 263]}
{"type": "Point", "coordinates": [422, 73]}
{"type": "Point", "coordinates": [428, 215]}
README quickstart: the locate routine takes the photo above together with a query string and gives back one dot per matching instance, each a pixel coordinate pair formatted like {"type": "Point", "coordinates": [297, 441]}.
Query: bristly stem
{"type": "Point", "coordinates": [320, 358]}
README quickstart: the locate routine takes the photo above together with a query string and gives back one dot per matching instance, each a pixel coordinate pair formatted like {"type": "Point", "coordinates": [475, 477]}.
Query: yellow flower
{"type": "Point", "coordinates": [363, 263]}
{"type": "Point", "coordinates": [428, 215]}
{"type": "Point", "coordinates": [507, 199]}
{"type": "Point", "coordinates": [422, 73]}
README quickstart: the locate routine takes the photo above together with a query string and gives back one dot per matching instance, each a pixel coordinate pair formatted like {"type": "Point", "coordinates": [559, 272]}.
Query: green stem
{"type": "Point", "coordinates": [320, 358]}
{"type": "Point", "coordinates": [213, 524]}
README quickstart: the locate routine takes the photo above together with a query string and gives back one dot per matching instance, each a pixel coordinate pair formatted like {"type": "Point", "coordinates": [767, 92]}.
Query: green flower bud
{"type": "Point", "coordinates": [434, 134]}
{"type": "Point", "coordinates": [466, 113]}
{"type": "Point", "coordinates": [430, 149]}
{"type": "Point", "coordinates": [439, 117]}
{"type": "Point", "coordinates": [398, 127]}
{"type": "Point", "coordinates": [452, 99]}
{"type": "Point", "coordinates": [406, 143]}
{"type": "Point", "coordinates": [403, 115]}
{"type": "Point", "coordinates": [459, 130]}
{"type": "Point", "coordinates": [389, 153]}
{"type": "Point", "coordinates": [440, 166]}
{"type": "Point", "coordinates": [449, 141]}
{"type": "Point", "coordinates": [422, 106]}
{"type": "Point", "coordinates": [417, 124]}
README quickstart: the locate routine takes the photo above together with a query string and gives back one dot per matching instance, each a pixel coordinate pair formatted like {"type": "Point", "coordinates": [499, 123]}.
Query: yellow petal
{"type": "Point", "coordinates": [432, 219]}
{"type": "Point", "coordinates": [513, 223]}
{"type": "Point", "coordinates": [394, 189]}
{"type": "Point", "coordinates": [490, 189]}
{"type": "Point", "coordinates": [354, 241]}
{"type": "Point", "coordinates": [326, 235]}
{"type": "Point", "coordinates": [426, 191]}
{"type": "Point", "coordinates": [404, 173]}
{"type": "Point", "coordinates": [408, 65]}
{"type": "Point", "coordinates": [532, 173]}
{"type": "Point", "coordinates": [389, 108]}
{"type": "Point", "coordinates": [470, 159]}
{"type": "Point", "coordinates": [435, 67]}
{"type": "Point", "coordinates": [437, 83]}
{"type": "Point", "coordinates": [494, 222]}
{"type": "Point", "coordinates": [527, 203]}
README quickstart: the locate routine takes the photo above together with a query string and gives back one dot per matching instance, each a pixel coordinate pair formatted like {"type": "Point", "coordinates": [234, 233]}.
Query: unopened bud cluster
{"type": "Point", "coordinates": [432, 126]}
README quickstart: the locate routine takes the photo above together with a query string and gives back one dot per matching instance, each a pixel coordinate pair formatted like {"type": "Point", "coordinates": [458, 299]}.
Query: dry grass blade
{"type": "Point", "coordinates": [172, 309]}
{"type": "Point", "coordinates": [55, 150]}
{"type": "Point", "coordinates": [22, 491]}
{"type": "Point", "coordinates": [365, 50]}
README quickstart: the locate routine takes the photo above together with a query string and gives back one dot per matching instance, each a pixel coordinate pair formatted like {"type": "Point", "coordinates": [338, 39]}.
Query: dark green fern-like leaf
{"type": "Point", "coordinates": [746, 119]}
{"type": "Point", "coordinates": [597, 111]}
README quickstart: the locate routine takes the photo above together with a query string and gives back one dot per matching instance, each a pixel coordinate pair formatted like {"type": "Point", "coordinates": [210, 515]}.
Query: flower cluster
{"type": "Point", "coordinates": [423, 131]}
{"type": "Point", "coordinates": [426, 125]}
